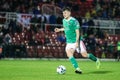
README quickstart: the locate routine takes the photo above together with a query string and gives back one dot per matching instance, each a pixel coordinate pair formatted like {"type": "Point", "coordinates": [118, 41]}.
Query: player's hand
{"type": "Point", "coordinates": [57, 30]}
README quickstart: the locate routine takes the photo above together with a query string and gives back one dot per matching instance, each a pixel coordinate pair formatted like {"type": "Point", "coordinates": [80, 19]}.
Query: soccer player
{"type": "Point", "coordinates": [71, 28]}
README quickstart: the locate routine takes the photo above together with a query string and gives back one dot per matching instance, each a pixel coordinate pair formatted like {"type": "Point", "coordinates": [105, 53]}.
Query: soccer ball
{"type": "Point", "coordinates": [61, 69]}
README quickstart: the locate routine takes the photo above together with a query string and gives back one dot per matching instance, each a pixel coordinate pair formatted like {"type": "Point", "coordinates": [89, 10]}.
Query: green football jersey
{"type": "Point", "coordinates": [70, 27]}
{"type": "Point", "coordinates": [118, 46]}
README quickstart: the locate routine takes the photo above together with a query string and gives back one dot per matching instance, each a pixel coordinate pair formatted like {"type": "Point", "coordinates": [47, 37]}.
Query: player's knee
{"type": "Point", "coordinates": [69, 55]}
{"type": "Point", "coordinates": [70, 52]}
{"type": "Point", "coordinates": [84, 54]}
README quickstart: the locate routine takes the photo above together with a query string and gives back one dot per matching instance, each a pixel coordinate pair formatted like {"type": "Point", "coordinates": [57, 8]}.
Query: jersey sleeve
{"type": "Point", "coordinates": [76, 24]}
{"type": "Point", "coordinates": [63, 23]}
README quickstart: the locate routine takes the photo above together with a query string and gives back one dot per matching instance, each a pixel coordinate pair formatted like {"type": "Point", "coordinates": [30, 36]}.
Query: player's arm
{"type": "Point", "coordinates": [59, 29]}
{"type": "Point", "coordinates": [77, 37]}
{"type": "Point", "coordinates": [77, 27]}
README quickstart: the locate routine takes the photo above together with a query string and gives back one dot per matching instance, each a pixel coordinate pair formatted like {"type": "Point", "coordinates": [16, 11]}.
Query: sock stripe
{"type": "Point", "coordinates": [71, 57]}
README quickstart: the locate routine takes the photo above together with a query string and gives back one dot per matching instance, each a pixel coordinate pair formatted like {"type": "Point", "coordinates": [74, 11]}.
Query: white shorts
{"type": "Point", "coordinates": [73, 46]}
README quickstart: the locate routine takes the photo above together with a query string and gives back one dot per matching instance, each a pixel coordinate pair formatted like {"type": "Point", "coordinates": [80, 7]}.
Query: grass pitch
{"type": "Point", "coordinates": [46, 70]}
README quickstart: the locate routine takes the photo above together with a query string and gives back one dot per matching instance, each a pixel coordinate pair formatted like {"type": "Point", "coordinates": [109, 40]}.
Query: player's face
{"type": "Point", "coordinates": [66, 14]}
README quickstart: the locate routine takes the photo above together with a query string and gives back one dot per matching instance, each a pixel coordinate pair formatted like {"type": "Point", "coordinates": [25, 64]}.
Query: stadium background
{"type": "Point", "coordinates": [27, 27]}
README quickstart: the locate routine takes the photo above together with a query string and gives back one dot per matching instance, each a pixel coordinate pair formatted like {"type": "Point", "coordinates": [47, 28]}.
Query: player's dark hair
{"type": "Point", "coordinates": [66, 8]}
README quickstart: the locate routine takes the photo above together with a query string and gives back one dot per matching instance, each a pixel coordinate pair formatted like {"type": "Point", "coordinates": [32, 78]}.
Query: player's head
{"type": "Point", "coordinates": [66, 12]}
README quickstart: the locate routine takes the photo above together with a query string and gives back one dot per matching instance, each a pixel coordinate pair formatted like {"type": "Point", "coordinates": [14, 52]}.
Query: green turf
{"type": "Point", "coordinates": [46, 70]}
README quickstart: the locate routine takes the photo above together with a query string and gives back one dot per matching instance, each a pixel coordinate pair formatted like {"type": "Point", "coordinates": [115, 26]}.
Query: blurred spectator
{"type": "Point", "coordinates": [12, 26]}
{"type": "Point", "coordinates": [68, 3]}
{"type": "Point", "coordinates": [99, 34]}
{"type": "Point", "coordinates": [19, 27]}
{"type": "Point", "coordinates": [61, 3]}
{"type": "Point", "coordinates": [5, 30]}
{"type": "Point", "coordinates": [6, 6]}
{"type": "Point", "coordinates": [110, 49]}
{"type": "Point", "coordinates": [26, 6]}
{"type": "Point", "coordinates": [104, 14]}
{"type": "Point", "coordinates": [106, 42]}
{"type": "Point", "coordinates": [101, 2]}
{"type": "Point", "coordinates": [42, 21]}
{"type": "Point", "coordinates": [1, 50]}
{"type": "Point", "coordinates": [46, 40]}
{"type": "Point", "coordinates": [90, 31]}
{"type": "Point", "coordinates": [85, 26]}
{"type": "Point", "coordinates": [52, 19]}
{"type": "Point", "coordinates": [91, 22]}
{"type": "Point", "coordinates": [93, 13]}
{"type": "Point", "coordinates": [117, 12]}
{"type": "Point", "coordinates": [87, 15]}
{"type": "Point", "coordinates": [110, 12]}
{"type": "Point", "coordinates": [61, 38]}
{"type": "Point", "coordinates": [1, 39]}
{"type": "Point", "coordinates": [34, 19]}
{"type": "Point", "coordinates": [114, 3]}
{"type": "Point", "coordinates": [79, 18]}
{"type": "Point", "coordinates": [98, 7]}
{"type": "Point", "coordinates": [118, 50]}
{"type": "Point", "coordinates": [36, 11]}
{"type": "Point", "coordinates": [59, 20]}
{"type": "Point", "coordinates": [7, 39]}
{"type": "Point", "coordinates": [1, 35]}
{"type": "Point", "coordinates": [15, 26]}
{"type": "Point", "coordinates": [91, 43]}
{"type": "Point", "coordinates": [75, 7]}
{"type": "Point", "coordinates": [32, 41]}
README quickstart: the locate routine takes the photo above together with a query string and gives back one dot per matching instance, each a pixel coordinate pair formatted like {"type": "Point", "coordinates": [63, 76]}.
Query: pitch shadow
{"type": "Point", "coordinates": [101, 72]}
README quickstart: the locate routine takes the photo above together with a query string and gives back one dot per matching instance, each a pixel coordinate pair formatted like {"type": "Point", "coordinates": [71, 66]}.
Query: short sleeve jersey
{"type": "Point", "coordinates": [70, 27]}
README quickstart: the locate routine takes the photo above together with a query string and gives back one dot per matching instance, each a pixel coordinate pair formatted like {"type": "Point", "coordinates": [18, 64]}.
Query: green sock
{"type": "Point", "coordinates": [73, 61]}
{"type": "Point", "coordinates": [92, 57]}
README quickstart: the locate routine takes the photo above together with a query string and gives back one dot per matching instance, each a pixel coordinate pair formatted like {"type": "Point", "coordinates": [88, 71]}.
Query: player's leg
{"type": "Point", "coordinates": [70, 49]}
{"type": "Point", "coordinates": [91, 57]}
{"type": "Point", "coordinates": [88, 55]}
